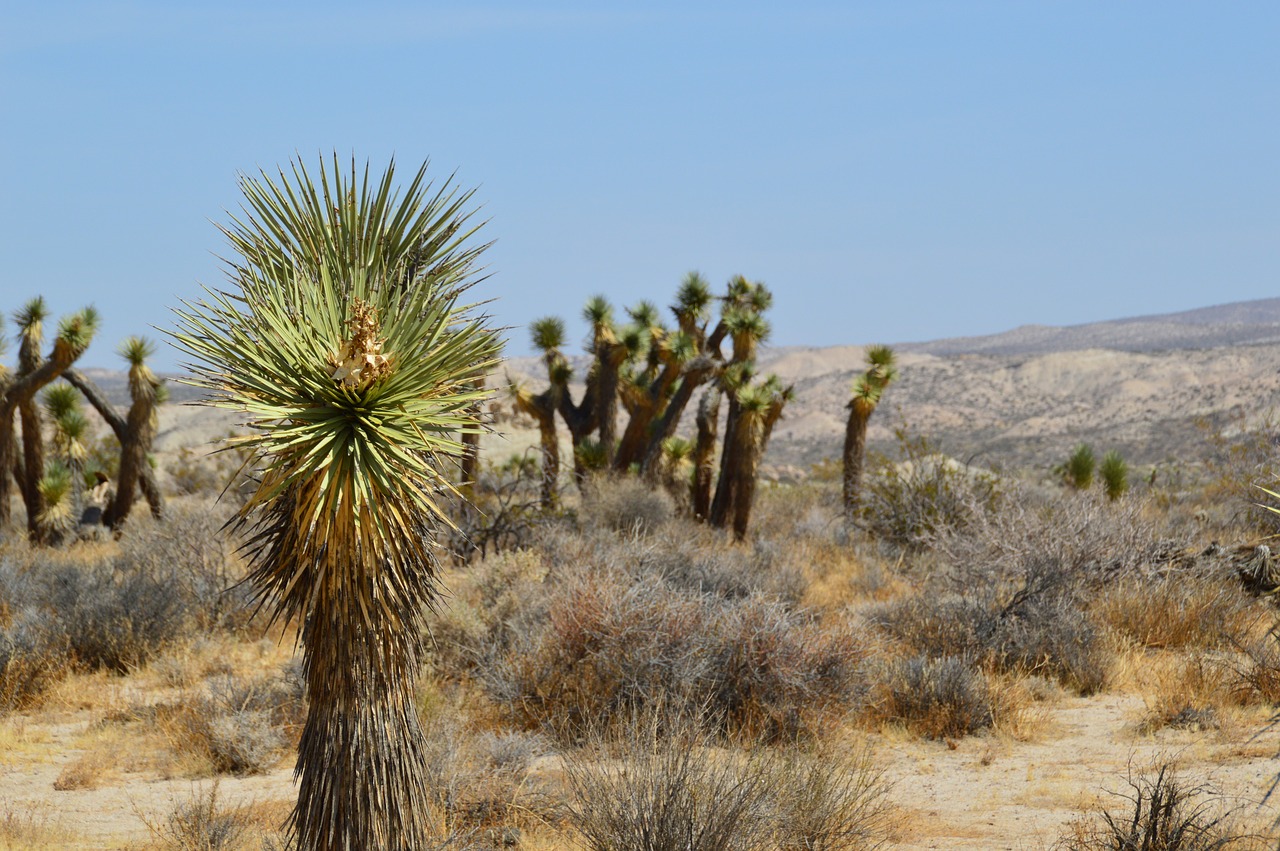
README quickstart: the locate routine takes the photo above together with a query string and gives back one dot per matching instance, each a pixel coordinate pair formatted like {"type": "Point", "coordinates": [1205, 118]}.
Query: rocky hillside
{"type": "Point", "coordinates": [1018, 400]}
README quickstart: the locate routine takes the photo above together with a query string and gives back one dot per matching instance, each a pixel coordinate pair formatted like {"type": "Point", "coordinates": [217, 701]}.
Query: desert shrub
{"type": "Point", "coordinates": [1161, 814]}
{"type": "Point", "coordinates": [482, 782]}
{"type": "Point", "coordinates": [829, 798]}
{"type": "Point", "coordinates": [935, 698]}
{"type": "Point", "coordinates": [34, 655]}
{"type": "Point", "coordinates": [115, 614]}
{"type": "Point", "coordinates": [1037, 628]}
{"type": "Point", "coordinates": [646, 787]}
{"type": "Point", "coordinates": [191, 550]}
{"type": "Point", "coordinates": [201, 823]}
{"type": "Point", "coordinates": [1182, 609]}
{"type": "Point", "coordinates": [922, 495]}
{"type": "Point", "coordinates": [625, 504]}
{"type": "Point", "coordinates": [240, 725]}
{"type": "Point", "coordinates": [1087, 539]}
{"type": "Point", "coordinates": [611, 644]}
{"type": "Point", "coordinates": [697, 561]}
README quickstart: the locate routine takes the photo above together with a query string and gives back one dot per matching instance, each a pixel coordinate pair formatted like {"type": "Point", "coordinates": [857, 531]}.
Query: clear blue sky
{"type": "Point", "coordinates": [894, 171]}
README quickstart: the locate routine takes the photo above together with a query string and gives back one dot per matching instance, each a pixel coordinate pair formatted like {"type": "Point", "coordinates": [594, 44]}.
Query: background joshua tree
{"type": "Point", "coordinates": [344, 342]}
{"type": "Point", "coordinates": [867, 390]}
{"type": "Point", "coordinates": [653, 371]}
{"type": "Point", "coordinates": [146, 391]}
{"type": "Point", "coordinates": [548, 337]}
{"type": "Point", "coordinates": [63, 485]}
{"type": "Point", "coordinates": [74, 335]}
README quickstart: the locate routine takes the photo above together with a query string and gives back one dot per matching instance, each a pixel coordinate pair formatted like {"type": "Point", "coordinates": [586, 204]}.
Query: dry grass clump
{"type": "Point", "coordinates": [1182, 609]}
{"type": "Point", "coordinates": [1256, 672]}
{"type": "Point", "coordinates": [202, 823]}
{"type": "Point", "coordinates": [1189, 691]}
{"type": "Point", "coordinates": [31, 830]}
{"type": "Point", "coordinates": [1162, 813]}
{"type": "Point", "coordinates": [657, 783]}
{"type": "Point", "coordinates": [34, 655]}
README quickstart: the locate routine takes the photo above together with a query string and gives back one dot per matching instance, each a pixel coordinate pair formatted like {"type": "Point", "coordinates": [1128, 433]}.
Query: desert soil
{"type": "Point", "coordinates": [985, 792]}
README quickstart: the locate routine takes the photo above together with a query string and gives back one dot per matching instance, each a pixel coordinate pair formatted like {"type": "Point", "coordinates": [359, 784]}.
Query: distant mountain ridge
{"type": "Point", "coordinates": [1238, 323]}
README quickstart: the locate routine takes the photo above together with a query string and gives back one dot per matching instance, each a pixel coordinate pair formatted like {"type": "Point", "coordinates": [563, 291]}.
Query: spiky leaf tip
{"type": "Point", "coordinates": [60, 399]}
{"type": "Point", "coordinates": [598, 312]}
{"type": "Point", "coordinates": [31, 315]}
{"type": "Point", "coordinates": [135, 350]}
{"type": "Point", "coordinates": [547, 333]}
{"type": "Point", "coordinates": [693, 297]}
{"type": "Point", "coordinates": [75, 333]}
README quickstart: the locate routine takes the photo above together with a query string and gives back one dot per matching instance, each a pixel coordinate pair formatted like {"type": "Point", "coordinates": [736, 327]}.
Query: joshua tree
{"type": "Point", "coordinates": [867, 390]}
{"type": "Point", "coordinates": [120, 427]}
{"type": "Point", "coordinates": [74, 335]}
{"type": "Point", "coordinates": [344, 341]}
{"type": "Point", "coordinates": [64, 495]}
{"type": "Point", "coordinates": [147, 392]}
{"type": "Point", "coordinates": [548, 336]}
{"type": "Point", "coordinates": [1115, 475]}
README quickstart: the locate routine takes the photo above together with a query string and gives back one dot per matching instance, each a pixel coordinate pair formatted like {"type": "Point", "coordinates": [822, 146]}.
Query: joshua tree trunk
{"type": "Point", "coordinates": [542, 408]}
{"type": "Point", "coordinates": [696, 373]}
{"type": "Point", "coordinates": [704, 451]}
{"type": "Point", "coordinates": [855, 447]}
{"type": "Point", "coordinates": [363, 727]}
{"type": "Point", "coordinates": [746, 459]}
{"type": "Point", "coordinates": [610, 362]}
{"type": "Point", "coordinates": [470, 464]}
{"type": "Point", "coordinates": [120, 428]}
{"type": "Point", "coordinates": [133, 454]}
{"type": "Point", "coordinates": [23, 390]}
{"type": "Point", "coordinates": [726, 484]}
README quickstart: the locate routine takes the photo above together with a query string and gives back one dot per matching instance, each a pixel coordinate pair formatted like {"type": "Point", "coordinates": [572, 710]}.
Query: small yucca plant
{"type": "Point", "coordinates": [344, 343]}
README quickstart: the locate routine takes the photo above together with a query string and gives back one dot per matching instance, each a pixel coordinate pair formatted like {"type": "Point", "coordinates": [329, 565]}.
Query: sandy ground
{"type": "Point", "coordinates": [978, 793]}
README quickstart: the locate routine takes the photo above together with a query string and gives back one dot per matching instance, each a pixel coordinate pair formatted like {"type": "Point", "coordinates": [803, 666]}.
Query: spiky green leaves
{"type": "Point", "coordinates": [349, 466]}
{"type": "Point", "coordinates": [547, 333]}
{"type": "Point", "coordinates": [75, 332]}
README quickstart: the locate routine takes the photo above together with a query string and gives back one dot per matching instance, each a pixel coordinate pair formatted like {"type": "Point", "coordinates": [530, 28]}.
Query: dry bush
{"type": "Point", "coordinates": [34, 655]}
{"type": "Point", "coordinates": [625, 504]}
{"type": "Point", "coordinates": [1087, 539]}
{"type": "Point", "coordinates": [239, 726]}
{"type": "Point", "coordinates": [668, 794]}
{"type": "Point", "coordinates": [1256, 671]}
{"type": "Point", "coordinates": [482, 782]}
{"type": "Point", "coordinates": [1162, 813]}
{"type": "Point", "coordinates": [830, 798]}
{"type": "Point", "coordinates": [201, 823]}
{"type": "Point", "coordinates": [934, 698]}
{"type": "Point", "coordinates": [657, 782]}
{"type": "Point", "coordinates": [1183, 609]}
{"type": "Point", "coordinates": [923, 495]}
{"type": "Point", "coordinates": [191, 550]}
{"type": "Point", "coordinates": [85, 772]}
{"type": "Point", "coordinates": [1036, 628]}
{"type": "Point", "coordinates": [611, 644]}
